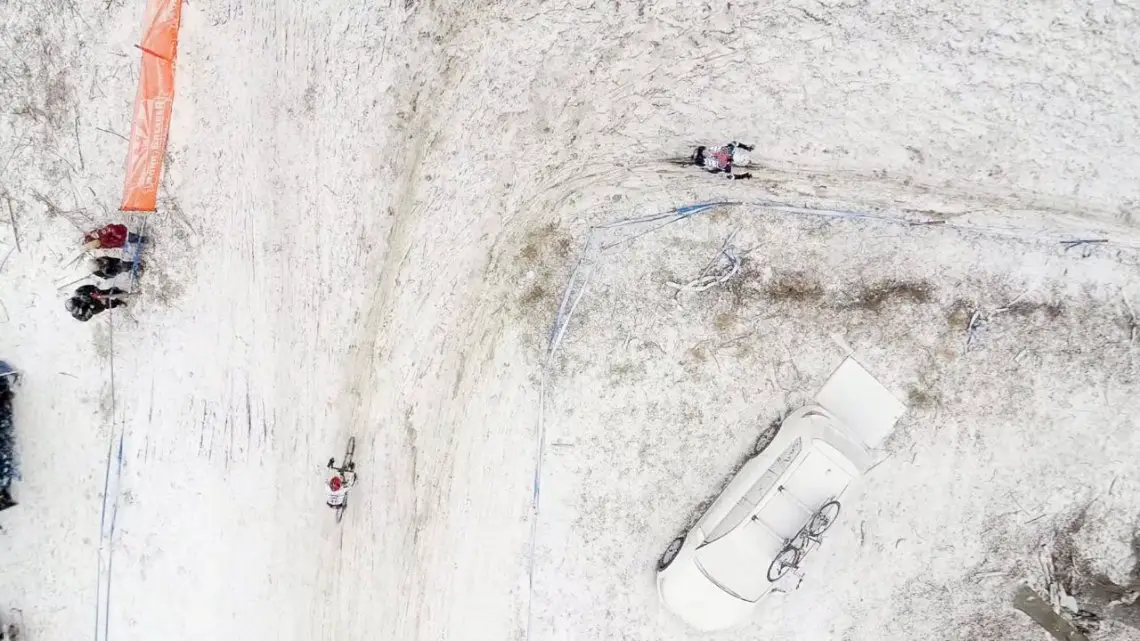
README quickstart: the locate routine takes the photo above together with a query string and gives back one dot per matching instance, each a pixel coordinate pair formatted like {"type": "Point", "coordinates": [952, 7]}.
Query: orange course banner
{"type": "Point", "coordinates": [153, 105]}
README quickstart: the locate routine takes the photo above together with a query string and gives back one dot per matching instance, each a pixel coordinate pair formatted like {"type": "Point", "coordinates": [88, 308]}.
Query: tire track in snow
{"type": "Point", "coordinates": [111, 489]}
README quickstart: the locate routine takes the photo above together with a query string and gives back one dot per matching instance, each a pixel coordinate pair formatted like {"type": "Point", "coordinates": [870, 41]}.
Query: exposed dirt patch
{"type": "Point", "coordinates": [534, 295]}
{"type": "Point", "coordinates": [1035, 607]}
{"type": "Point", "coordinates": [1098, 594]}
{"type": "Point", "coordinates": [543, 244]}
{"type": "Point", "coordinates": [101, 338]}
{"type": "Point", "coordinates": [725, 321]}
{"type": "Point", "coordinates": [919, 398]}
{"type": "Point", "coordinates": [995, 625]}
{"type": "Point", "coordinates": [157, 284]}
{"type": "Point", "coordinates": [958, 315]}
{"type": "Point", "coordinates": [626, 372]}
{"type": "Point", "coordinates": [875, 297]}
{"type": "Point", "coordinates": [744, 288]}
{"type": "Point", "coordinates": [540, 273]}
{"type": "Point", "coordinates": [795, 287]}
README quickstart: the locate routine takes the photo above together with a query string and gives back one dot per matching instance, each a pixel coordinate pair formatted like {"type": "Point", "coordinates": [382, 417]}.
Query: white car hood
{"type": "Point", "coordinates": [739, 561]}
{"type": "Point", "coordinates": [698, 602]}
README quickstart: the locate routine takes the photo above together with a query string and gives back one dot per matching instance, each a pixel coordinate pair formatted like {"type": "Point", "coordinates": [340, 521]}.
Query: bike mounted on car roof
{"type": "Point", "coordinates": [797, 547]}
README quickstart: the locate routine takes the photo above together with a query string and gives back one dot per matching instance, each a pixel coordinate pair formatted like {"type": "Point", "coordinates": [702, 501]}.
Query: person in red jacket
{"type": "Point", "coordinates": [111, 236]}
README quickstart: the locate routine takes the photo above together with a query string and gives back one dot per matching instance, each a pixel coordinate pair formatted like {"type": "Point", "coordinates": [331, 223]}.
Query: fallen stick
{"type": "Point", "coordinates": [1069, 244]}
{"type": "Point", "coordinates": [1008, 306]}
{"type": "Point", "coordinates": [6, 257]}
{"type": "Point", "coordinates": [15, 230]}
{"type": "Point", "coordinates": [113, 133]}
{"type": "Point", "coordinates": [74, 258]}
{"type": "Point", "coordinates": [988, 575]}
{"type": "Point", "coordinates": [1133, 326]}
{"type": "Point", "coordinates": [15, 150]}
{"type": "Point", "coordinates": [976, 322]}
{"type": "Point", "coordinates": [70, 283]}
{"type": "Point", "coordinates": [706, 280]}
{"type": "Point", "coordinates": [704, 283]}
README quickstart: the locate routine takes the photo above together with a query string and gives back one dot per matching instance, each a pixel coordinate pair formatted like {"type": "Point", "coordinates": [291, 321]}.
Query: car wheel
{"type": "Point", "coordinates": [670, 553]}
{"type": "Point", "coordinates": [765, 439]}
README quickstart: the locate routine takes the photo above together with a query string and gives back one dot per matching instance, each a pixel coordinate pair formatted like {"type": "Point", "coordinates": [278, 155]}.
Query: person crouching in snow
{"type": "Point", "coordinates": [719, 159]}
{"type": "Point", "coordinates": [89, 300]}
{"type": "Point", "coordinates": [107, 267]}
{"type": "Point", "coordinates": [111, 236]}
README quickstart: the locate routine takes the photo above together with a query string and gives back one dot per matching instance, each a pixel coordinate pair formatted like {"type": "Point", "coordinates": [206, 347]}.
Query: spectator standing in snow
{"type": "Point", "coordinates": [111, 236]}
{"type": "Point", "coordinates": [107, 267]}
{"type": "Point", "coordinates": [7, 436]}
{"type": "Point", "coordinates": [89, 300]}
{"type": "Point", "coordinates": [10, 632]}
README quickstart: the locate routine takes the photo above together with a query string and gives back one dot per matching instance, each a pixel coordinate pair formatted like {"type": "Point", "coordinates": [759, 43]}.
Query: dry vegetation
{"type": "Point", "coordinates": [539, 271]}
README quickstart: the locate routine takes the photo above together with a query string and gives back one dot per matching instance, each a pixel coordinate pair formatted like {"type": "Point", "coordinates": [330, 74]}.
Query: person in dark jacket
{"type": "Point", "coordinates": [107, 267]}
{"type": "Point", "coordinates": [89, 300]}
{"type": "Point", "coordinates": [7, 436]}
{"type": "Point", "coordinates": [111, 236]}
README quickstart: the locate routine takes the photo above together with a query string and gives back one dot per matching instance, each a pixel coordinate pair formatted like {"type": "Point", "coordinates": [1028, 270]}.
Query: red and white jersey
{"type": "Point", "coordinates": [717, 158]}
{"type": "Point", "coordinates": [336, 497]}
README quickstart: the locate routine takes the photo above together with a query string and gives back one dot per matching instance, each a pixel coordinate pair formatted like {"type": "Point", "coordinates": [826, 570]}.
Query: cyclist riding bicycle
{"type": "Point", "coordinates": [336, 491]}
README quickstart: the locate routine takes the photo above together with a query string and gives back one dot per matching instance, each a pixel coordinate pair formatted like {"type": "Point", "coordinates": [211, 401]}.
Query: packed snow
{"type": "Point", "coordinates": [369, 218]}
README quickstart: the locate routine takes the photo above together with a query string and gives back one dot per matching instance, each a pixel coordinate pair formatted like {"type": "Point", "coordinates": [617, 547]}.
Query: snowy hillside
{"type": "Point", "coordinates": [368, 219]}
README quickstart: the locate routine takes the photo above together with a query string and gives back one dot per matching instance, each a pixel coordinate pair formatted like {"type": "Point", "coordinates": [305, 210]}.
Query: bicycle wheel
{"type": "Point", "coordinates": [824, 518]}
{"type": "Point", "coordinates": [349, 451]}
{"type": "Point", "coordinates": [786, 560]}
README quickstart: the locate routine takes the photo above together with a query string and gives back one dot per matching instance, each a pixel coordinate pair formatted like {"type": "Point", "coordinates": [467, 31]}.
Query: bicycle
{"type": "Point", "coordinates": [796, 548]}
{"type": "Point", "coordinates": [347, 471]}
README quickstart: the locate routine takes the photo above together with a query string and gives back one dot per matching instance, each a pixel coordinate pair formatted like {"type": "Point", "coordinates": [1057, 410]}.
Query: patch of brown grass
{"type": "Point", "coordinates": [743, 288]}
{"type": "Point", "coordinates": [921, 399]}
{"type": "Point", "coordinates": [545, 251]}
{"type": "Point", "coordinates": [544, 244]}
{"type": "Point", "coordinates": [958, 316]}
{"type": "Point", "coordinates": [725, 321]}
{"type": "Point", "coordinates": [875, 297]}
{"type": "Point", "coordinates": [1096, 592]}
{"type": "Point", "coordinates": [794, 288]}
{"type": "Point", "coordinates": [534, 295]}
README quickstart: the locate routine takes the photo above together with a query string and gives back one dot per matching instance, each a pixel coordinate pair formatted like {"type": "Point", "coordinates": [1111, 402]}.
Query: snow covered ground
{"type": "Point", "coordinates": [370, 213]}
